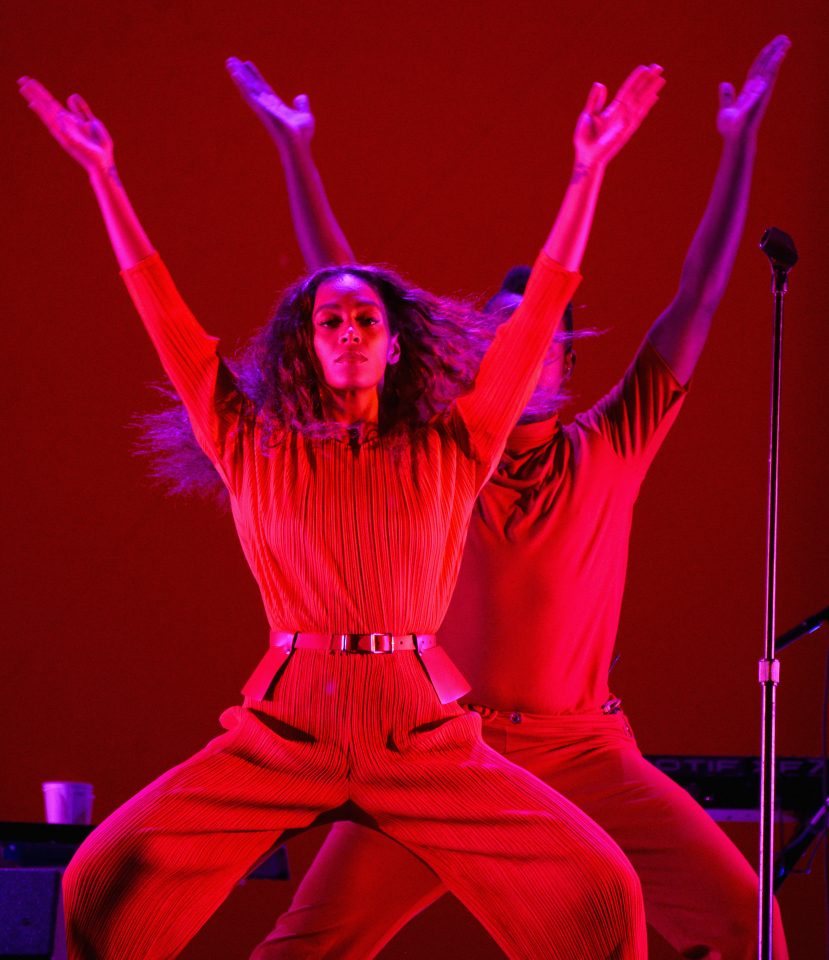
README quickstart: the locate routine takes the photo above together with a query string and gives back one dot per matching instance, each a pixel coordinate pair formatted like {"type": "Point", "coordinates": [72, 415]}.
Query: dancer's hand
{"type": "Point", "coordinates": [291, 128]}
{"type": "Point", "coordinates": [86, 140]}
{"type": "Point", "coordinates": [601, 131]}
{"type": "Point", "coordinates": [284, 123]}
{"type": "Point", "coordinates": [74, 127]}
{"type": "Point", "coordinates": [740, 115]}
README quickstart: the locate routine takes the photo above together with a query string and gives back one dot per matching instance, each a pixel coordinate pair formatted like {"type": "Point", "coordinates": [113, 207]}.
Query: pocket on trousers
{"type": "Point", "coordinates": [285, 731]}
{"type": "Point", "coordinates": [457, 729]}
{"type": "Point", "coordinates": [233, 718]}
{"type": "Point", "coordinates": [432, 725]}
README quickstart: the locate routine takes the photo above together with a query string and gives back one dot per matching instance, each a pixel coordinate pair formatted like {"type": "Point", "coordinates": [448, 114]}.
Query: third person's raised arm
{"type": "Point", "coordinates": [680, 332]}
{"type": "Point", "coordinates": [321, 240]}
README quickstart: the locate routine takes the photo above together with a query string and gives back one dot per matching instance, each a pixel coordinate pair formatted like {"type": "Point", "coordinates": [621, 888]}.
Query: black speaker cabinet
{"type": "Point", "coordinates": [28, 905]}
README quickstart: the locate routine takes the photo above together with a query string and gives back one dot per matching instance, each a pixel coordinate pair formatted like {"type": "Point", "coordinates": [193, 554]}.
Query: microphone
{"type": "Point", "coordinates": [780, 249]}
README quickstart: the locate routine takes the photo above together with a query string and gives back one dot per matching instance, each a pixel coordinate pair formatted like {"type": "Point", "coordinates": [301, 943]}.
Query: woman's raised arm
{"type": "Point", "coordinates": [601, 132]}
{"type": "Point", "coordinates": [188, 355]}
{"type": "Point", "coordinates": [86, 140]}
{"type": "Point", "coordinates": [512, 364]}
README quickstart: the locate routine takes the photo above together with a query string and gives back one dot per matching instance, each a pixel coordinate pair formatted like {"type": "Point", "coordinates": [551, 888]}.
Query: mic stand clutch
{"type": "Point", "coordinates": [779, 248]}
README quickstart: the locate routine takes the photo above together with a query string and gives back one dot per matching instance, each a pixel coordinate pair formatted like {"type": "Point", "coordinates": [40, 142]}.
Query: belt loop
{"type": "Point", "coordinates": [424, 641]}
{"type": "Point", "coordinates": [270, 667]}
{"type": "Point", "coordinates": [287, 641]}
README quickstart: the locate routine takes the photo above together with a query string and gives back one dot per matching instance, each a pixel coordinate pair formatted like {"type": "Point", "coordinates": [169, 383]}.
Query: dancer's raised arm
{"type": "Point", "coordinates": [86, 140]}
{"type": "Point", "coordinates": [187, 353]}
{"type": "Point", "coordinates": [510, 369]}
{"type": "Point", "coordinates": [321, 240]}
{"type": "Point", "coordinates": [679, 334]}
{"type": "Point", "coordinates": [601, 132]}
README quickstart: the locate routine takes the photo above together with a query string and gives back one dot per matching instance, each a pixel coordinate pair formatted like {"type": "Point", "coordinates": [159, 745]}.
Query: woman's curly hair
{"type": "Point", "coordinates": [441, 344]}
{"type": "Point", "coordinates": [440, 349]}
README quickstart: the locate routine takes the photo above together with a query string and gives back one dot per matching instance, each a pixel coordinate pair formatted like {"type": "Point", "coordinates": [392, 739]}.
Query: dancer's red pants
{"type": "Point", "coordinates": [542, 878]}
{"type": "Point", "coordinates": [699, 891]}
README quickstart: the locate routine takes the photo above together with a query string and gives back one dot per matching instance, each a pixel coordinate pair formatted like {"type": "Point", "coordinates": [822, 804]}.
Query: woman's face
{"type": "Point", "coordinates": [352, 338]}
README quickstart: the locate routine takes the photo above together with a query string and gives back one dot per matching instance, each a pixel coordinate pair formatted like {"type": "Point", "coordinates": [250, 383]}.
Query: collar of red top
{"type": "Point", "coordinates": [526, 435]}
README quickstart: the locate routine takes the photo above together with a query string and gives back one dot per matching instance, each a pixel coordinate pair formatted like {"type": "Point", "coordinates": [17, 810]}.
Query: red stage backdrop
{"type": "Point", "coordinates": [443, 135]}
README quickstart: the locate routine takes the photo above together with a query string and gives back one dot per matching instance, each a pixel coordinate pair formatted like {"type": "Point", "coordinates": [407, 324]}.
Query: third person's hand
{"type": "Point", "coordinates": [740, 114]}
{"type": "Point", "coordinates": [284, 123]}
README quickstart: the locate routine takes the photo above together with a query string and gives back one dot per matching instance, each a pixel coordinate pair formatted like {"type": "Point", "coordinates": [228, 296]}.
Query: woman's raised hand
{"type": "Point", "coordinates": [74, 126]}
{"type": "Point", "coordinates": [601, 131]}
{"type": "Point", "coordinates": [86, 140]}
{"type": "Point", "coordinates": [741, 114]}
{"type": "Point", "coordinates": [284, 123]}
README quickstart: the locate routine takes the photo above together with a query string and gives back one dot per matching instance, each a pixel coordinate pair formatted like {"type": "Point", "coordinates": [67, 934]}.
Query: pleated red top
{"type": "Point", "coordinates": [345, 539]}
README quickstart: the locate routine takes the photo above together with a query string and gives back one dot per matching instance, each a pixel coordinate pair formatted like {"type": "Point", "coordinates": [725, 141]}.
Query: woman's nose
{"type": "Point", "coordinates": [350, 334]}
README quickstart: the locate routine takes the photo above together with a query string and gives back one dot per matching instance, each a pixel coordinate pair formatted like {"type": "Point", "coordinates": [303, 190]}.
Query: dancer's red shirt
{"type": "Point", "coordinates": [343, 540]}
{"type": "Point", "coordinates": [534, 617]}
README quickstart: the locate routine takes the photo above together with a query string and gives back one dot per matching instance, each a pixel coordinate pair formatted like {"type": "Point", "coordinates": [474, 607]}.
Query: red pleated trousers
{"type": "Point", "coordinates": [540, 876]}
{"type": "Point", "coordinates": [699, 891]}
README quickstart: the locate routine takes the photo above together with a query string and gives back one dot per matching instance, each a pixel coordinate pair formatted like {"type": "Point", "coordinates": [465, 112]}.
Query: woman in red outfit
{"type": "Point", "coordinates": [351, 495]}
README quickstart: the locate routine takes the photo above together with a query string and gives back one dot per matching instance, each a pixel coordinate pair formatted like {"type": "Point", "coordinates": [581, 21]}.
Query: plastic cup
{"type": "Point", "coordinates": [68, 802]}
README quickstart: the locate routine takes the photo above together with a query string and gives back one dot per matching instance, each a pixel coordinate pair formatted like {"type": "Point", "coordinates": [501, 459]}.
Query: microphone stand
{"type": "Point", "coordinates": [780, 249]}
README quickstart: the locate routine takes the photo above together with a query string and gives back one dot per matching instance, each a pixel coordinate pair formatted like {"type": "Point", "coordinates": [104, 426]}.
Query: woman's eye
{"type": "Point", "coordinates": [367, 321]}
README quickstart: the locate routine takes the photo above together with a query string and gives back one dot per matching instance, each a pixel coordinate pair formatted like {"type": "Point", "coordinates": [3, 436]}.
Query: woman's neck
{"type": "Point", "coordinates": [359, 409]}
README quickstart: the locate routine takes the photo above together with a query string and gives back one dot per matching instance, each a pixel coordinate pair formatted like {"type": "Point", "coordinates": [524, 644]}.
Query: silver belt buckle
{"type": "Point", "coordinates": [385, 638]}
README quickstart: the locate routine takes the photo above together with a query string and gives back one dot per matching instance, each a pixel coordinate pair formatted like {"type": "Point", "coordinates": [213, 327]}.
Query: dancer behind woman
{"type": "Point", "coordinates": [351, 499]}
{"type": "Point", "coordinates": [546, 552]}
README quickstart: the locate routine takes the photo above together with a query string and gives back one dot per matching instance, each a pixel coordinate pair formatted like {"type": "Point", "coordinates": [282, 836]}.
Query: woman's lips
{"type": "Point", "coordinates": [351, 358]}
